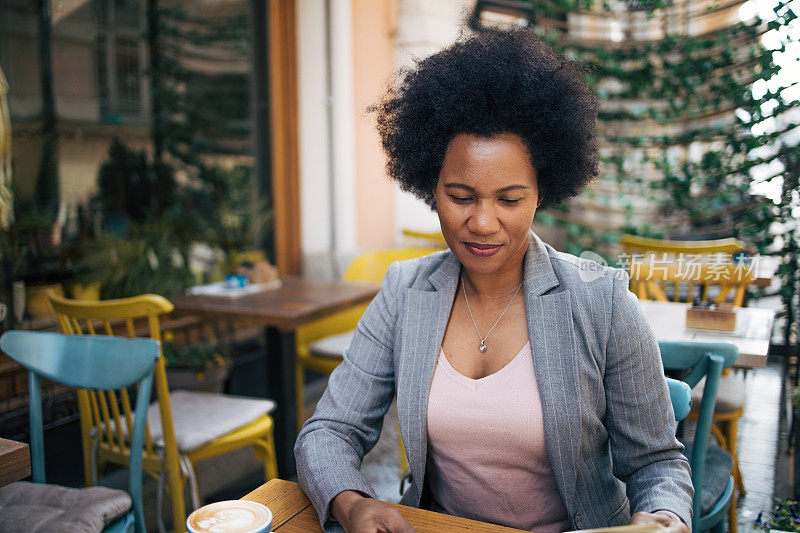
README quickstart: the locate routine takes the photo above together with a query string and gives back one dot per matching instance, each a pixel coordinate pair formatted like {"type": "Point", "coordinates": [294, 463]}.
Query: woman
{"type": "Point", "coordinates": [528, 394]}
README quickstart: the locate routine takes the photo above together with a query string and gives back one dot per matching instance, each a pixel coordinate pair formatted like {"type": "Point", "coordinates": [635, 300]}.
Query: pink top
{"type": "Point", "coordinates": [486, 452]}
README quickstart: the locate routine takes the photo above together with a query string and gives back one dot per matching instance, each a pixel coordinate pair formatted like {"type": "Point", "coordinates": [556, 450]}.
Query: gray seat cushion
{"type": "Point", "coordinates": [715, 478]}
{"type": "Point", "coordinates": [37, 507]}
{"type": "Point", "coordinates": [731, 394]}
{"type": "Point", "coordinates": [200, 417]}
{"type": "Point", "coordinates": [333, 346]}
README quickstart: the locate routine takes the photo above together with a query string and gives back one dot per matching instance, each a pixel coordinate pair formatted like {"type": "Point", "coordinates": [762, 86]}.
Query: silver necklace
{"type": "Point", "coordinates": [482, 346]}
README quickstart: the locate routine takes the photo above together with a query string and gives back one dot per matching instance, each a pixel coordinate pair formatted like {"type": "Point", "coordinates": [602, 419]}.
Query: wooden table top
{"type": "Point", "coordinates": [298, 301]}
{"type": "Point", "coordinates": [753, 329]}
{"type": "Point", "coordinates": [292, 512]}
{"type": "Point", "coordinates": [15, 461]}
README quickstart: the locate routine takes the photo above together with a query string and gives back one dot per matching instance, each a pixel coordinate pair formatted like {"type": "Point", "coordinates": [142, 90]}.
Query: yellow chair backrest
{"type": "Point", "coordinates": [432, 239]}
{"type": "Point", "coordinates": [369, 267]}
{"type": "Point", "coordinates": [643, 249]}
{"type": "Point", "coordinates": [633, 244]}
{"type": "Point", "coordinates": [102, 416]}
{"type": "Point", "coordinates": [372, 266]}
{"type": "Point", "coordinates": [654, 277]}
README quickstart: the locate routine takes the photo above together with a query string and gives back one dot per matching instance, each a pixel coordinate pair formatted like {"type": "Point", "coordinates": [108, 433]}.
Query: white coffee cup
{"type": "Point", "coordinates": [231, 516]}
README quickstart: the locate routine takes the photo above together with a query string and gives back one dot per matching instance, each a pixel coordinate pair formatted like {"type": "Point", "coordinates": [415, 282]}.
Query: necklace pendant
{"type": "Point", "coordinates": [482, 347]}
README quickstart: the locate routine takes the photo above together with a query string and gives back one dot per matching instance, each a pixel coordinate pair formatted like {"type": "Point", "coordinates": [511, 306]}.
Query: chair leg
{"type": "Point", "coordinates": [265, 452]}
{"type": "Point", "coordinates": [733, 524]}
{"type": "Point", "coordinates": [89, 459]}
{"type": "Point", "coordinates": [175, 485]}
{"type": "Point", "coordinates": [731, 429]}
{"type": "Point", "coordinates": [99, 472]}
{"type": "Point", "coordinates": [190, 475]}
{"type": "Point", "coordinates": [402, 459]}
{"type": "Point", "coordinates": [178, 511]}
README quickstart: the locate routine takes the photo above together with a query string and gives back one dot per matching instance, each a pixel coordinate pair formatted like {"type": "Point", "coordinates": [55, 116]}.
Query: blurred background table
{"type": "Point", "coordinates": [292, 512]}
{"type": "Point", "coordinates": [752, 334]}
{"type": "Point", "coordinates": [298, 301]}
{"type": "Point", "coordinates": [15, 461]}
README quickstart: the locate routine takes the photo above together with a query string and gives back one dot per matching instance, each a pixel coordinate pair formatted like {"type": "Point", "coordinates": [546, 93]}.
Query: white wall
{"type": "Point", "coordinates": [423, 28]}
{"type": "Point", "coordinates": [315, 157]}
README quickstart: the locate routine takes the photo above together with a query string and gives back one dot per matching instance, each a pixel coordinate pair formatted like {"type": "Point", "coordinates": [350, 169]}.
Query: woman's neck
{"type": "Point", "coordinates": [496, 285]}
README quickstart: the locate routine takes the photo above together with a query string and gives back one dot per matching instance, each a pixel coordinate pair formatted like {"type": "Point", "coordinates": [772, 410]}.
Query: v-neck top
{"type": "Point", "coordinates": [487, 458]}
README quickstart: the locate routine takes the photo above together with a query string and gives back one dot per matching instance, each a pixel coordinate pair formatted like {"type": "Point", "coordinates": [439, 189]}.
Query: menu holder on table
{"type": "Point", "coordinates": [717, 319]}
{"type": "Point", "coordinates": [632, 528]}
{"type": "Point", "coordinates": [220, 289]}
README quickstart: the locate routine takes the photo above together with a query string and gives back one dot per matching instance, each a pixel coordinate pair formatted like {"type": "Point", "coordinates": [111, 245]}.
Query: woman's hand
{"type": "Point", "coordinates": [667, 519]}
{"type": "Point", "coordinates": [359, 514]}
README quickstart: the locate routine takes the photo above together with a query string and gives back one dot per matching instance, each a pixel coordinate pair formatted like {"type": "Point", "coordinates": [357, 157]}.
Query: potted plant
{"type": "Point", "coordinates": [150, 260]}
{"type": "Point", "coordinates": [784, 516]}
{"type": "Point", "coordinates": [199, 366]}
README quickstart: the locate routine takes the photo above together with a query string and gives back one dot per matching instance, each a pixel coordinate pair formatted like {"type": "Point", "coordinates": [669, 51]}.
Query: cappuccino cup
{"type": "Point", "coordinates": [232, 516]}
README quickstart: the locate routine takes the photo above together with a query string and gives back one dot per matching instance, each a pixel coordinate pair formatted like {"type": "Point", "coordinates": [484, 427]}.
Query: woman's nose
{"type": "Point", "coordinates": [484, 220]}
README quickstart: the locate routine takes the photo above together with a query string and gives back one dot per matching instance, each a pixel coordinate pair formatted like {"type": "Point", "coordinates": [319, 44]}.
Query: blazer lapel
{"type": "Point", "coordinates": [426, 316]}
{"type": "Point", "coordinates": [555, 361]}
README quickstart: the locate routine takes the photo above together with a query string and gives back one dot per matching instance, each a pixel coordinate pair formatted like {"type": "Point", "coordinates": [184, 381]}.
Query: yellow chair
{"type": "Point", "coordinates": [172, 444]}
{"type": "Point", "coordinates": [652, 278]}
{"type": "Point", "coordinates": [729, 407]}
{"type": "Point", "coordinates": [633, 243]}
{"type": "Point", "coordinates": [642, 248]}
{"type": "Point", "coordinates": [320, 344]}
{"type": "Point", "coordinates": [433, 239]}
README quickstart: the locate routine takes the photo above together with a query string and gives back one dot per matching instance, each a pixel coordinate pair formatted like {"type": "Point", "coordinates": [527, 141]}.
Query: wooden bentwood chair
{"type": "Point", "coordinates": [652, 281]}
{"type": "Point", "coordinates": [689, 254]}
{"type": "Point", "coordinates": [105, 366]}
{"type": "Point", "coordinates": [183, 427]}
{"type": "Point", "coordinates": [715, 490]}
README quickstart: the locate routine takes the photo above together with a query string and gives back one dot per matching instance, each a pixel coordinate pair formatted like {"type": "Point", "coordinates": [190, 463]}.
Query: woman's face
{"type": "Point", "coordinates": [486, 197]}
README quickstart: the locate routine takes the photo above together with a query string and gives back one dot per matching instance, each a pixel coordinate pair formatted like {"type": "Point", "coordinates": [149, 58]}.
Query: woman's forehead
{"type": "Point", "coordinates": [498, 162]}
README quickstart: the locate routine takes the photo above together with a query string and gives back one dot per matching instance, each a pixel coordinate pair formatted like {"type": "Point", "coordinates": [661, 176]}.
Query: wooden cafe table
{"type": "Point", "coordinates": [752, 334]}
{"type": "Point", "coordinates": [293, 513]}
{"type": "Point", "coordinates": [15, 461]}
{"type": "Point", "coordinates": [296, 302]}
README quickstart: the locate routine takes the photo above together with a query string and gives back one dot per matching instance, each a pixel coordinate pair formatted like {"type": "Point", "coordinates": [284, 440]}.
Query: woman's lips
{"type": "Point", "coordinates": [482, 250]}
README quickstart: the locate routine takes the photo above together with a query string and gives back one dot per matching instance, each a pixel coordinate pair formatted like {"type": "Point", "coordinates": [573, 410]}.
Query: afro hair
{"type": "Point", "coordinates": [497, 81]}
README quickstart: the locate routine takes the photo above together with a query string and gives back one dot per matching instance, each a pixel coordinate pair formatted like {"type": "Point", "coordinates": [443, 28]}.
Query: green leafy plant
{"type": "Point", "coordinates": [132, 190]}
{"type": "Point", "coordinates": [152, 260]}
{"type": "Point", "coordinates": [784, 516]}
{"type": "Point", "coordinates": [676, 93]}
{"type": "Point", "coordinates": [199, 356]}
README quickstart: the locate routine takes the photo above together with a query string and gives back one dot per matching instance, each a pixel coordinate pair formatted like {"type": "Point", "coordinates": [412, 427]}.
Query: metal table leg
{"type": "Point", "coordinates": [281, 387]}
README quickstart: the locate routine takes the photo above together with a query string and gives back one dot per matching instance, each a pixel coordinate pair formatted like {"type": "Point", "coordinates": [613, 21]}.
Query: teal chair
{"type": "Point", "coordinates": [711, 465]}
{"type": "Point", "coordinates": [83, 362]}
{"type": "Point", "coordinates": [680, 394]}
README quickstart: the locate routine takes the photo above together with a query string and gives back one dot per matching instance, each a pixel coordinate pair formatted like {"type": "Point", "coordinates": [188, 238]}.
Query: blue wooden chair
{"type": "Point", "coordinates": [81, 362]}
{"type": "Point", "coordinates": [681, 396]}
{"type": "Point", "coordinates": [711, 465]}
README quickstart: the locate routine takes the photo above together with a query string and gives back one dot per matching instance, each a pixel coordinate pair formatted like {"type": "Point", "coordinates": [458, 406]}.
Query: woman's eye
{"type": "Point", "coordinates": [460, 199]}
{"type": "Point", "coordinates": [510, 201]}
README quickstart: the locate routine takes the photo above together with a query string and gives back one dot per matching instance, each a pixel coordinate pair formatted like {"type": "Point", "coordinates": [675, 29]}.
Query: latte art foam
{"type": "Point", "coordinates": [234, 516]}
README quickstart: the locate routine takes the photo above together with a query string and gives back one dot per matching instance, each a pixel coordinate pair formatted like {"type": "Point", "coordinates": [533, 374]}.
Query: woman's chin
{"type": "Point", "coordinates": [482, 265]}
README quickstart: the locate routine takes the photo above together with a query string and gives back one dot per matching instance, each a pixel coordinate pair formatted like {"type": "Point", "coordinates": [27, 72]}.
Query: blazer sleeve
{"type": "Point", "coordinates": [348, 419]}
{"type": "Point", "coordinates": [639, 417]}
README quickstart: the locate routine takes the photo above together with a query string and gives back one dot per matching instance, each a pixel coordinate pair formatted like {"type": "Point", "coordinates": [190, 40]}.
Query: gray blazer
{"type": "Point", "coordinates": [609, 426]}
